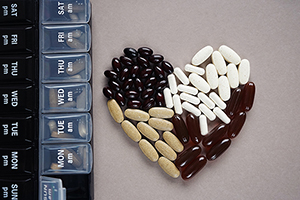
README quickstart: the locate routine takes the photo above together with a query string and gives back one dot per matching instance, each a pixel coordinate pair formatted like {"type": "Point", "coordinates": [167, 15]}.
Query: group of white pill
{"type": "Point", "coordinates": [197, 94]}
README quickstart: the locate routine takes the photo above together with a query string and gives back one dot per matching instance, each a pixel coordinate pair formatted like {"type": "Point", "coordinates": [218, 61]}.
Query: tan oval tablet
{"type": "Point", "coordinates": [131, 130]}
{"type": "Point", "coordinates": [137, 115]}
{"type": "Point", "coordinates": [165, 150]}
{"type": "Point", "coordinates": [161, 112]}
{"type": "Point", "coordinates": [173, 141]}
{"type": "Point", "coordinates": [161, 124]}
{"type": "Point", "coordinates": [148, 150]}
{"type": "Point", "coordinates": [148, 131]}
{"type": "Point", "coordinates": [115, 110]}
{"type": "Point", "coordinates": [168, 167]}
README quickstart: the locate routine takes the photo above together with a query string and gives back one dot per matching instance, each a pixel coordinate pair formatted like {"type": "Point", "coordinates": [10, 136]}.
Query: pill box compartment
{"type": "Point", "coordinates": [51, 188]}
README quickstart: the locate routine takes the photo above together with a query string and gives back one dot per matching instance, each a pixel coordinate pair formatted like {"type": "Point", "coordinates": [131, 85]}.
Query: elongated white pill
{"type": "Point", "coordinates": [219, 62]}
{"type": "Point", "coordinates": [212, 76]}
{"type": "Point", "coordinates": [221, 115]}
{"type": "Point", "coordinates": [177, 104]}
{"type": "Point", "coordinates": [199, 82]}
{"type": "Point", "coordinates": [233, 75]}
{"type": "Point", "coordinates": [181, 76]}
{"type": "Point", "coordinates": [224, 88]}
{"type": "Point", "coordinates": [202, 55]}
{"type": "Point", "coordinates": [187, 89]}
{"type": "Point", "coordinates": [218, 101]}
{"type": "Point", "coordinates": [172, 83]}
{"type": "Point", "coordinates": [244, 71]}
{"type": "Point", "coordinates": [203, 125]}
{"type": "Point", "coordinates": [206, 100]}
{"type": "Point", "coordinates": [190, 108]}
{"type": "Point", "coordinates": [207, 112]}
{"type": "Point", "coordinates": [194, 69]}
{"type": "Point", "coordinates": [229, 54]}
{"type": "Point", "coordinates": [168, 98]}
{"type": "Point", "coordinates": [190, 98]}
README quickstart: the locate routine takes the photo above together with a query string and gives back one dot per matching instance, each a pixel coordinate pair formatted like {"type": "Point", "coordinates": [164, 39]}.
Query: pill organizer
{"type": "Point", "coordinates": [46, 108]}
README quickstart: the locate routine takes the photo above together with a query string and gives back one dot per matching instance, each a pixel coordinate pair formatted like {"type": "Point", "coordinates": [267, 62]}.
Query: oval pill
{"type": "Point", "coordinates": [193, 126]}
{"type": "Point", "coordinates": [172, 83]}
{"type": "Point", "coordinates": [219, 62]}
{"type": "Point", "coordinates": [187, 89]}
{"type": "Point", "coordinates": [206, 100]}
{"type": "Point", "coordinates": [194, 69]}
{"type": "Point", "coordinates": [173, 141]}
{"type": "Point", "coordinates": [233, 75]}
{"type": "Point", "coordinates": [203, 125]}
{"type": "Point", "coordinates": [236, 124]}
{"type": "Point", "coordinates": [224, 88]}
{"type": "Point", "coordinates": [247, 97]}
{"type": "Point", "coordinates": [160, 124]}
{"type": "Point", "coordinates": [188, 156]}
{"type": "Point", "coordinates": [189, 98]}
{"type": "Point", "coordinates": [177, 104]}
{"type": "Point", "coordinates": [218, 149]}
{"type": "Point", "coordinates": [207, 112]}
{"type": "Point", "coordinates": [180, 128]}
{"type": "Point", "coordinates": [148, 150]}
{"type": "Point", "coordinates": [218, 101]}
{"type": "Point", "coordinates": [229, 54]}
{"type": "Point", "coordinates": [199, 82]}
{"type": "Point", "coordinates": [168, 98]}
{"type": "Point", "coordinates": [212, 76]}
{"type": "Point", "coordinates": [137, 115]}
{"type": "Point", "coordinates": [202, 55]}
{"type": "Point", "coordinates": [244, 71]}
{"type": "Point", "coordinates": [165, 150]}
{"type": "Point", "coordinates": [161, 112]}
{"type": "Point", "coordinates": [221, 115]}
{"type": "Point", "coordinates": [148, 131]}
{"type": "Point", "coordinates": [131, 130]}
{"type": "Point", "coordinates": [168, 167]}
{"type": "Point", "coordinates": [190, 108]}
{"type": "Point", "coordinates": [115, 110]}
{"type": "Point", "coordinates": [191, 170]}
{"type": "Point", "coordinates": [181, 76]}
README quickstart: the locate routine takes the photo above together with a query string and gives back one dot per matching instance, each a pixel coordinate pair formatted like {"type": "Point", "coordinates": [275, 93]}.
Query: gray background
{"type": "Point", "coordinates": [263, 161]}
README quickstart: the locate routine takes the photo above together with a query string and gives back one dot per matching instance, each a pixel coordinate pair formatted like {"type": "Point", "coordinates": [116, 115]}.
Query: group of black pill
{"type": "Point", "coordinates": [138, 78]}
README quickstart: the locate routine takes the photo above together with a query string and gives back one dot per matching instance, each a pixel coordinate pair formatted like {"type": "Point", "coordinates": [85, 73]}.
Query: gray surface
{"type": "Point", "coordinates": [263, 161]}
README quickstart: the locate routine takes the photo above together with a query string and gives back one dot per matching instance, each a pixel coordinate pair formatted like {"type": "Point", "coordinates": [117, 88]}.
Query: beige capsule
{"type": "Point", "coordinates": [131, 130]}
{"type": "Point", "coordinates": [76, 67]}
{"type": "Point", "coordinates": [115, 110]}
{"type": "Point", "coordinates": [168, 167]}
{"type": "Point", "coordinates": [148, 131]}
{"type": "Point", "coordinates": [148, 150]}
{"type": "Point", "coordinates": [173, 141]}
{"type": "Point", "coordinates": [137, 115]}
{"type": "Point", "coordinates": [55, 134]}
{"type": "Point", "coordinates": [161, 112]}
{"type": "Point", "coordinates": [165, 150]}
{"type": "Point", "coordinates": [161, 124]}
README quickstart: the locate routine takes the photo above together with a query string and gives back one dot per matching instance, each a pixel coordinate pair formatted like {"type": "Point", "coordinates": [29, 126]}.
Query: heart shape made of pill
{"type": "Point", "coordinates": [150, 99]}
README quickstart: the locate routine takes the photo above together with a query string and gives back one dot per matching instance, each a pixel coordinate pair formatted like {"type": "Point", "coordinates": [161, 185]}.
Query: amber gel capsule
{"type": "Point", "coordinates": [218, 149]}
{"type": "Point", "coordinates": [234, 102]}
{"type": "Point", "coordinates": [236, 124]}
{"type": "Point", "coordinates": [194, 168]}
{"type": "Point", "coordinates": [193, 126]}
{"type": "Point", "coordinates": [215, 135]}
{"type": "Point", "coordinates": [188, 156]}
{"type": "Point", "coordinates": [180, 129]}
{"type": "Point", "coordinates": [247, 97]}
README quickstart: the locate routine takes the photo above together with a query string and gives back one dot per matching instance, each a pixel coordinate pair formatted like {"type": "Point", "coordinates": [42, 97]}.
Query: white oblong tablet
{"type": "Point", "coordinates": [229, 54]}
{"type": "Point", "coordinates": [194, 69]}
{"type": "Point", "coordinates": [203, 125]}
{"type": "Point", "coordinates": [177, 104]}
{"type": "Point", "coordinates": [168, 98]}
{"type": "Point", "coordinates": [190, 98]}
{"type": "Point", "coordinates": [221, 115]}
{"type": "Point", "coordinates": [199, 82]}
{"type": "Point", "coordinates": [202, 55]}
{"type": "Point", "coordinates": [224, 88]}
{"type": "Point", "coordinates": [187, 89]}
{"type": "Point", "coordinates": [244, 71]}
{"type": "Point", "coordinates": [206, 100]}
{"type": "Point", "coordinates": [233, 75]}
{"type": "Point", "coordinates": [218, 101]}
{"type": "Point", "coordinates": [172, 83]}
{"type": "Point", "coordinates": [190, 108]}
{"type": "Point", "coordinates": [219, 62]}
{"type": "Point", "coordinates": [212, 76]}
{"type": "Point", "coordinates": [207, 112]}
{"type": "Point", "coordinates": [181, 76]}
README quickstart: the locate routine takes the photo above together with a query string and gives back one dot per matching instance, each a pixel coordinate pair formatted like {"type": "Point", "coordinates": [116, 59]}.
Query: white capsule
{"type": "Point", "coordinates": [212, 76]}
{"type": "Point", "coordinates": [187, 89]}
{"type": "Point", "coordinates": [219, 62]}
{"type": "Point", "coordinates": [203, 125]}
{"type": "Point", "coordinates": [190, 108]}
{"type": "Point", "coordinates": [202, 55]}
{"type": "Point", "coordinates": [172, 83]}
{"type": "Point", "coordinates": [244, 71]}
{"type": "Point", "coordinates": [199, 82]}
{"type": "Point", "coordinates": [221, 115]}
{"type": "Point", "coordinates": [218, 101]}
{"type": "Point", "coordinates": [233, 75]}
{"type": "Point", "coordinates": [177, 104]}
{"type": "Point", "coordinates": [189, 98]}
{"type": "Point", "coordinates": [224, 88]}
{"type": "Point", "coordinates": [168, 98]}
{"type": "Point", "coordinates": [194, 69]}
{"type": "Point", "coordinates": [207, 112]}
{"type": "Point", "coordinates": [181, 76]}
{"type": "Point", "coordinates": [206, 100]}
{"type": "Point", "coordinates": [230, 55]}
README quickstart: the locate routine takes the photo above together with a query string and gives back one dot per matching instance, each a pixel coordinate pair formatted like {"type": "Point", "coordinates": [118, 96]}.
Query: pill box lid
{"type": "Point", "coordinates": [52, 188]}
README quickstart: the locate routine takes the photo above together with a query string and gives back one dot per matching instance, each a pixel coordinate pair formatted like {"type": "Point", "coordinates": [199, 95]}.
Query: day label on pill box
{"type": "Point", "coordinates": [15, 11]}
{"type": "Point", "coordinates": [22, 189]}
